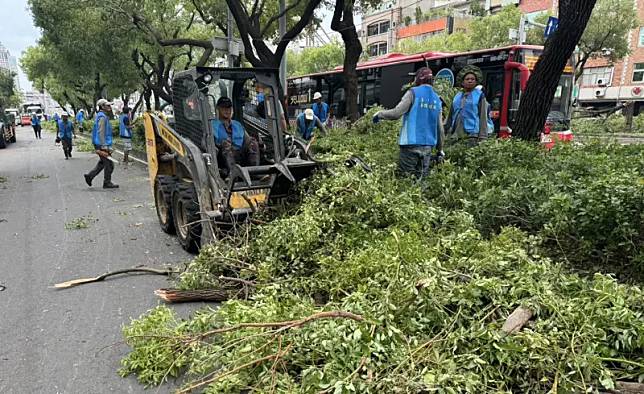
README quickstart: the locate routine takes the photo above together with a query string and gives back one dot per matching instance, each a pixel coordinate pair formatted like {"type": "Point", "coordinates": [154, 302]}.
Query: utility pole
{"type": "Point", "coordinates": [282, 27]}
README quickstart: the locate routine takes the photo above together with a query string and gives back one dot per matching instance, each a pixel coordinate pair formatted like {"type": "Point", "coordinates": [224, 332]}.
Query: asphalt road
{"type": "Point", "coordinates": [69, 341]}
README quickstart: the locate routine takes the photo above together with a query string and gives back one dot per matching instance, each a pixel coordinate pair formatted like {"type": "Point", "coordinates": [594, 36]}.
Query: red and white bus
{"type": "Point", "coordinates": [505, 74]}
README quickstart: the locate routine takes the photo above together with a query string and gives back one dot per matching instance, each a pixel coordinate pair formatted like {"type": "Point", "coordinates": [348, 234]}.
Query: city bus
{"type": "Point", "coordinates": [28, 109]}
{"type": "Point", "coordinates": [380, 82]}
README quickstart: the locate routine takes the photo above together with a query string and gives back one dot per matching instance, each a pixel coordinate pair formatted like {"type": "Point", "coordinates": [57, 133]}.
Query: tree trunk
{"type": "Point", "coordinates": [342, 22]}
{"type": "Point", "coordinates": [537, 99]}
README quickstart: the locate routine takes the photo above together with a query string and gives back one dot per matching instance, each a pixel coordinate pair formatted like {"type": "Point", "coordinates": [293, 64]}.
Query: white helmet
{"type": "Point", "coordinates": [317, 95]}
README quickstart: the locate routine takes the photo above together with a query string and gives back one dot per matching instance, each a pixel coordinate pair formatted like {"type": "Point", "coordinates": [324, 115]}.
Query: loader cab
{"type": "Point", "coordinates": [255, 106]}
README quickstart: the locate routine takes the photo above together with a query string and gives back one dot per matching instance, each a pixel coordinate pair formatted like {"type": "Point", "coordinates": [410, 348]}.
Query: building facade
{"type": "Point", "coordinates": [605, 84]}
{"type": "Point", "coordinates": [417, 19]}
{"type": "Point", "coordinates": [9, 63]}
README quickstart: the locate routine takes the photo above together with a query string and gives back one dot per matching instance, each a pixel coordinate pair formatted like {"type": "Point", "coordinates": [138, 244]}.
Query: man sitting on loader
{"type": "Point", "coordinates": [235, 145]}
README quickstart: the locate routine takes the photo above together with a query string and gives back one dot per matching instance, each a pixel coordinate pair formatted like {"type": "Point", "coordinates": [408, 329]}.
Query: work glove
{"type": "Point", "coordinates": [440, 157]}
{"type": "Point", "coordinates": [376, 118]}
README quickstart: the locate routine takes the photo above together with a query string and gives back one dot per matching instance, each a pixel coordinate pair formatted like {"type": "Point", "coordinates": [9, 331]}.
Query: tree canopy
{"type": "Point", "coordinates": [316, 59]}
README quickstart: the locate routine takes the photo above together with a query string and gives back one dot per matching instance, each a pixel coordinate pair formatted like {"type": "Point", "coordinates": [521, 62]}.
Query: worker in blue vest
{"type": "Point", "coordinates": [102, 140]}
{"type": "Point", "coordinates": [422, 126]}
{"type": "Point", "coordinates": [35, 123]}
{"type": "Point", "coordinates": [469, 118]}
{"type": "Point", "coordinates": [65, 134]}
{"type": "Point", "coordinates": [80, 118]}
{"type": "Point", "coordinates": [125, 132]}
{"type": "Point", "coordinates": [235, 145]}
{"type": "Point", "coordinates": [320, 108]}
{"type": "Point", "coordinates": [56, 117]}
{"type": "Point", "coordinates": [306, 123]}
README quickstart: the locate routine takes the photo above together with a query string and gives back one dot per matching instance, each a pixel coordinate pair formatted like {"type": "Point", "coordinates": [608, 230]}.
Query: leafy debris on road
{"type": "Point", "coordinates": [3, 179]}
{"type": "Point", "coordinates": [433, 271]}
{"type": "Point", "coordinates": [80, 223]}
{"type": "Point", "coordinates": [39, 176]}
{"type": "Point", "coordinates": [118, 199]}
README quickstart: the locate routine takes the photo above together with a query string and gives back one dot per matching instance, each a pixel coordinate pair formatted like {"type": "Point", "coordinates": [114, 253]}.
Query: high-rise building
{"type": "Point", "coordinates": [9, 63]}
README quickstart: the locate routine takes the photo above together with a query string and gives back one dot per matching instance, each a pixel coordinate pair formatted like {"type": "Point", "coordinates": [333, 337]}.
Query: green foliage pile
{"type": "Point", "coordinates": [426, 280]}
{"type": "Point", "coordinates": [613, 124]}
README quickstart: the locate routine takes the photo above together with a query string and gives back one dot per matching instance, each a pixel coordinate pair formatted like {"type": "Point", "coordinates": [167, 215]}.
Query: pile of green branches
{"type": "Point", "coordinates": [368, 285]}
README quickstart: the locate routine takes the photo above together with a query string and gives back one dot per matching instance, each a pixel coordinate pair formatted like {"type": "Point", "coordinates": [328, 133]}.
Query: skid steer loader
{"type": "Point", "coordinates": [194, 191]}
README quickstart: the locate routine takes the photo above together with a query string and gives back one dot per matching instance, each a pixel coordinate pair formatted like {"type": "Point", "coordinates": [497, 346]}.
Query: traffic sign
{"type": "Point", "coordinates": [447, 75]}
{"type": "Point", "coordinates": [551, 26]}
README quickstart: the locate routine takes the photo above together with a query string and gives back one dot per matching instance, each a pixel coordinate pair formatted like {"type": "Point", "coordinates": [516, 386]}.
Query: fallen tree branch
{"type": "Point", "coordinates": [286, 325]}
{"type": "Point", "coordinates": [236, 369]}
{"type": "Point", "coordinates": [76, 282]}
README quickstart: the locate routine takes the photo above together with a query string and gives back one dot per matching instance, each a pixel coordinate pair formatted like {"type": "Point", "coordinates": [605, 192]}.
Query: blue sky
{"type": "Point", "coordinates": [17, 31]}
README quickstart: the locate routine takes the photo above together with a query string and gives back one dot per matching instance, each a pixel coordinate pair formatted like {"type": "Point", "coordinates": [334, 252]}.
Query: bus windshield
{"type": "Point", "coordinates": [560, 108]}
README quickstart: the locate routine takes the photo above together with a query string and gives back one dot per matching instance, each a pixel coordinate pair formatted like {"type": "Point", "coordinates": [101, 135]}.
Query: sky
{"type": "Point", "coordinates": [17, 31]}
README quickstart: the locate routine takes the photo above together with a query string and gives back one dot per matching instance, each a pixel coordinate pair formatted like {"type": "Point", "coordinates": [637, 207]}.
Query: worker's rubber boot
{"type": "Point", "coordinates": [110, 185]}
{"type": "Point", "coordinates": [88, 179]}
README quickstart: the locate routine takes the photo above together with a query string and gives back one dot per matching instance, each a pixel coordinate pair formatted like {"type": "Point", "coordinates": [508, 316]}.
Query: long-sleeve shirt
{"type": "Point", "coordinates": [403, 107]}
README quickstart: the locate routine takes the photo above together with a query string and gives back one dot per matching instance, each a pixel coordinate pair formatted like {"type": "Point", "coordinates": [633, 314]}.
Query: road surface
{"type": "Point", "coordinates": [58, 341]}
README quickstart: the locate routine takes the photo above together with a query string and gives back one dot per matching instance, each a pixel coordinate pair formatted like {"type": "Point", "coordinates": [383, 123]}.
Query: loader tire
{"type": "Point", "coordinates": [185, 209]}
{"type": "Point", "coordinates": [3, 142]}
{"type": "Point", "coordinates": [163, 187]}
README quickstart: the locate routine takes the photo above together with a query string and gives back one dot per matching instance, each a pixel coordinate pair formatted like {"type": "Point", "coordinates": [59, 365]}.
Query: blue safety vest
{"type": "Point", "coordinates": [80, 117]}
{"type": "Point", "coordinates": [56, 117]}
{"type": "Point", "coordinates": [124, 131]}
{"type": "Point", "coordinates": [35, 121]}
{"type": "Point", "coordinates": [108, 130]}
{"type": "Point", "coordinates": [420, 123]}
{"type": "Point", "coordinates": [321, 111]}
{"type": "Point", "coordinates": [221, 134]}
{"type": "Point", "coordinates": [65, 129]}
{"type": "Point", "coordinates": [470, 112]}
{"type": "Point", "coordinates": [306, 131]}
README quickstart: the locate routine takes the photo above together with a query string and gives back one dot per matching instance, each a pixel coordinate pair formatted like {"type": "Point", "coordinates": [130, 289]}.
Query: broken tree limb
{"type": "Point", "coordinates": [286, 325]}
{"type": "Point", "coordinates": [76, 282]}
{"type": "Point", "coordinates": [517, 320]}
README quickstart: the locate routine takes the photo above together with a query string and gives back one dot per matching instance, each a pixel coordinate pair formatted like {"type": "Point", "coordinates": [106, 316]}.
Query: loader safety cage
{"type": "Point", "coordinates": [194, 188]}
{"type": "Point", "coordinates": [505, 74]}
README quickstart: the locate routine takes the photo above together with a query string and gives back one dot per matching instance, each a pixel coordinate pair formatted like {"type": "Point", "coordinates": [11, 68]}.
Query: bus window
{"type": "Point", "coordinates": [339, 105]}
{"type": "Point", "coordinates": [372, 94]}
{"type": "Point", "coordinates": [560, 102]}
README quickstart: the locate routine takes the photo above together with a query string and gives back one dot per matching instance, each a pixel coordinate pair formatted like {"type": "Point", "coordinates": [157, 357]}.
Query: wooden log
{"type": "Point", "coordinates": [177, 295]}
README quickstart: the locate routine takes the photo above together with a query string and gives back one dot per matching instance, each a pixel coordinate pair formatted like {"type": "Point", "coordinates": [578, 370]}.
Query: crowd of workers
{"type": "Point", "coordinates": [423, 130]}
{"type": "Point", "coordinates": [421, 140]}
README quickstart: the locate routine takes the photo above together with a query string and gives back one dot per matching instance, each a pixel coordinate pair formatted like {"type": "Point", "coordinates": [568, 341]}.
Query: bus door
{"type": "Point", "coordinates": [494, 94]}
